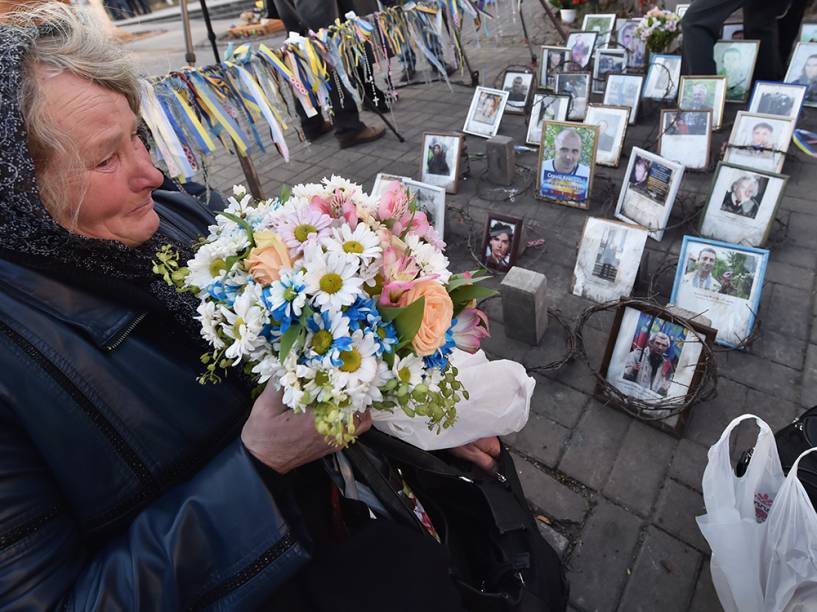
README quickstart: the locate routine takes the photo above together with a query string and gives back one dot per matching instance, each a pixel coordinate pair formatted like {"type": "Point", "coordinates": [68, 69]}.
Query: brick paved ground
{"type": "Point", "coordinates": [621, 496]}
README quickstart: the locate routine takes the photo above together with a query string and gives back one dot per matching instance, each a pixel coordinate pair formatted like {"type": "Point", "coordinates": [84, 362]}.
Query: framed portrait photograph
{"type": "Point", "coordinates": [808, 32]}
{"type": "Point", "coordinates": [704, 93]}
{"type": "Point", "coordinates": [608, 61]}
{"type": "Point", "coordinates": [686, 137]}
{"type": "Point", "coordinates": [653, 358]}
{"type": "Point", "coordinates": [545, 107]}
{"type": "Point", "coordinates": [501, 242]}
{"type": "Point", "coordinates": [803, 70]}
{"type": "Point", "coordinates": [732, 31]}
{"type": "Point", "coordinates": [440, 160]}
{"type": "Point", "coordinates": [581, 45]}
{"type": "Point", "coordinates": [383, 180]}
{"type": "Point", "coordinates": [759, 141]}
{"type": "Point", "coordinates": [604, 25]}
{"type": "Point", "coordinates": [576, 86]}
{"type": "Point", "coordinates": [781, 99]}
{"type": "Point", "coordinates": [735, 60]}
{"type": "Point", "coordinates": [431, 200]}
{"type": "Point", "coordinates": [663, 77]}
{"type": "Point", "coordinates": [627, 39]}
{"type": "Point", "coordinates": [485, 112]}
{"type": "Point", "coordinates": [612, 123]}
{"type": "Point", "coordinates": [742, 204]}
{"type": "Point", "coordinates": [722, 281]}
{"type": "Point", "coordinates": [566, 155]}
{"type": "Point", "coordinates": [624, 90]}
{"type": "Point", "coordinates": [648, 191]}
{"type": "Point", "coordinates": [553, 61]}
{"type": "Point", "coordinates": [519, 86]}
{"type": "Point", "coordinates": [608, 259]}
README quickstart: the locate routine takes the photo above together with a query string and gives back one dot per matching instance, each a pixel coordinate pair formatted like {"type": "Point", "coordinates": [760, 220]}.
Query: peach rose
{"type": "Point", "coordinates": [437, 315]}
{"type": "Point", "coordinates": [268, 257]}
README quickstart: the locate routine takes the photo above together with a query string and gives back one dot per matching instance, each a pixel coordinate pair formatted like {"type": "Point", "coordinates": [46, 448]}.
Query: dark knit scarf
{"type": "Point", "coordinates": [31, 237]}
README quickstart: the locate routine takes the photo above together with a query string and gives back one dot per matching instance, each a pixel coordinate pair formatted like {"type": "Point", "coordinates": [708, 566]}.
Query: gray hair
{"type": "Point", "coordinates": [64, 39]}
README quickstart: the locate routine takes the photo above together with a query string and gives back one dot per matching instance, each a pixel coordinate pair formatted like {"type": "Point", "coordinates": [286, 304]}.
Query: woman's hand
{"type": "Point", "coordinates": [285, 440]}
{"type": "Point", "coordinates": [482, 453]}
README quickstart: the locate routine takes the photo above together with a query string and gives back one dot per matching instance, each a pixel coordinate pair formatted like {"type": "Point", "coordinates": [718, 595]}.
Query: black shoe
{"type": "Point", "coordinates": [380, 107]}
{"type": "Point", "coordinates": [408, 75]}
{"type": "Point", "coordinates": [367, 134]}
{"type": "Point", "coordinates": [316, 133]}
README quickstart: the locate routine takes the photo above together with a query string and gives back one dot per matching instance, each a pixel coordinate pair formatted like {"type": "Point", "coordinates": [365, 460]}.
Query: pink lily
{"type": "Point", "coordinates": [393, 203]}
{"type": "Point", "coordinates": [338, 205]}
{"type": "Point", "coordinates": [471, 328]}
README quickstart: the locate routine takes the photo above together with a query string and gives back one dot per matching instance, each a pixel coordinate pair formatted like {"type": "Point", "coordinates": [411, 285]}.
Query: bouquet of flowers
{"type": "Point", "coordinates": [343, 301]}
{"type": "Point", "coordinates": [658, 29]}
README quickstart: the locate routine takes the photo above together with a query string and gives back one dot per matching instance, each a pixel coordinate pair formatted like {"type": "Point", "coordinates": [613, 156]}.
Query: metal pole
{"type": "Point", "coordinates": [525, 33]}
{"type": "Point", "coordinates": [210, 34]}
{"type": "Point", "coordinates": [189, 54]}
{"type": "Point", "coordinates": [553, 19]}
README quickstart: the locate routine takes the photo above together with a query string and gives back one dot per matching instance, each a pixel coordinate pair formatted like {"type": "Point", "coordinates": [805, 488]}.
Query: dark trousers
{"type": "Point", "coordinates": [702, 26]}
{"type": "Point", "coordinates": [347, 117]}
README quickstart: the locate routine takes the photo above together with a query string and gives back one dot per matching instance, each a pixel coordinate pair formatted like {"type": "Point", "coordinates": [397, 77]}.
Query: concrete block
{"type": "Point", "coordinates": [524, 305]}
{"type": "Point", "coordinates": [501, 160]}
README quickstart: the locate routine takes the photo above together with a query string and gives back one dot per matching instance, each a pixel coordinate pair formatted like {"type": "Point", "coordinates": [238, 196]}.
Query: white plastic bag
{"type": "Point", "coordinates": [735, 519]}
{"type": "Point", "coordinates": [500, 393]}
{"type": "Point", "coordinates": [791, 582]}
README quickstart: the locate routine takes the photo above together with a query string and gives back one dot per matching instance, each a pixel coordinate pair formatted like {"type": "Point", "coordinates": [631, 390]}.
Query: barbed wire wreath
{"type": "Point", "coordinates": [555, 314]}
{"type": "Point", "coordinates": [705, 385]}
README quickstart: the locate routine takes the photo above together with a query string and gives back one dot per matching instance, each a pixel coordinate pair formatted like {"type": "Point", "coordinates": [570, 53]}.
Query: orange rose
{"type": "Point", "coordinates": [268, 257]}
{"type": "Point", "coordinates": [437, 315]}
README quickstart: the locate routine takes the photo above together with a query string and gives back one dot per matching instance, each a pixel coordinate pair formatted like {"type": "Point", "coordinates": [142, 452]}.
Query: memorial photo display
{"type": "Point", "coordinates": [603, 25]}
{"type": "Point", "coordinates": [612, 122]}
{"type": "Point", "coordinates": [545, 107]}
{"type": "Point", "coordinates": [430, 199]}
{"type": "Point", "coordinates": [803, 70]}
{"type": "Point", "coordinates": [500, 243]}
{"type": "Point", "coordinates": [648, 191]}
{"type": "Point", "coordinates": [382, 182]}
{"type": "Point", "coordinates": [685, 137]}
{"type": "Point", "coordinates": [779, 99]}
{"type": "Point", "coordinates": [553, 61]}
{"type": "Point", "coordinates": [663, 77]}
{"type": "Point", "coordinates": [759, 141]}
{"type": "Point", "coordinates": [627, 38]}
{"type": "Point", "coordinates": [576, 85]}
{"type": "Point", "coordinates": [485, 113]}
{"type": "Point", "coordinates": [703, 93]}
{"type": "Point", "coordinates": [440, 160]}
{"type": "Point", "coordinates": [624, 90]}
{"type": "Point", "coordinates": [608, 61]}
{"type": "Point", "coordinates": [735, 60]}
{"type": "Point", "coordinates": [722, 281]}
{"type": "Point", "coordinates": [608, 259]}
{"type": "Point", "coordinates": [742, 204]}
{"type": "Point", "coordinates": [566, 163]}
{"type": "Point", "coordinates": [581, 45]}
{"type": "Point", "coordinates": [519, 86]}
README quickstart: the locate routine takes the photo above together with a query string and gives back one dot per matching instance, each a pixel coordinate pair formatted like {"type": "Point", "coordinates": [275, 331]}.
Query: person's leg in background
{"type": "Point", "coordinates": [788, 26]}
{"type": "Point", "coordinates": [760, 23]}
{"type": "Point", "coordinates": [701, 27]}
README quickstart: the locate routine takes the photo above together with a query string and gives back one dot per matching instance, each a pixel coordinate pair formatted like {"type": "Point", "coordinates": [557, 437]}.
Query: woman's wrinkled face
{"type": "Point", "coordinates": [112, 188]}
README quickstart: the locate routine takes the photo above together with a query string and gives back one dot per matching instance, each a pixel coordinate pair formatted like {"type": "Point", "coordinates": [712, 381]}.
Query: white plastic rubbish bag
{"type": "Point", "coordinates": [499, 402]}
{"type": "Point", "coordinates": [735, 522]}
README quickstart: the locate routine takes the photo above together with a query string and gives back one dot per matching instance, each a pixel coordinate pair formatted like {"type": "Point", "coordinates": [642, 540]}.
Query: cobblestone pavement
{"type": "Point", "coordinates": [620, 496]}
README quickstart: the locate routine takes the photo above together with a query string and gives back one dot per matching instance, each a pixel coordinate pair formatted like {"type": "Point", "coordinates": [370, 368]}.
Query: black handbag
{"type": "Point", "coordinates": [792, 441]}
{"type": "Point", "coordinates": [499, 560]}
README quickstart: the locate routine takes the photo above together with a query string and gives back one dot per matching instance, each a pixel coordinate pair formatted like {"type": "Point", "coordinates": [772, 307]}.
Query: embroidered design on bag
{"type": "Point", "coordinates": [763, 503]}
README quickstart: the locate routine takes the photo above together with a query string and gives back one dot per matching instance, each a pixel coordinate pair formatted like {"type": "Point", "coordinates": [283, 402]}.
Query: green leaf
{"type": "Point", "coordinates": [285, 193]}
{"type": "Point", "coordinates": [241, 222]}
{"type": "Point", "coordinates": [389, 359]}
{"type": "Point", "coordinates": [288, 340]}
{"type": "Point", "coordinates": [465, 294]}
{"type": "Point", "coordinates": [389, 313]}
{"type": "Point", "coordinates": [408, 322]}
{"type": "Point", "coordinates": [458, 280]}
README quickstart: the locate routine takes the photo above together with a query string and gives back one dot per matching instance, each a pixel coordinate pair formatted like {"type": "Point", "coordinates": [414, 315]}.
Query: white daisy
{"type": "Point", "coordinates": [243, 324]}
{"type": "Point", "coordinates": [358, 362]}
{"type": "Point", "coordinates": [316, 383]}
{"type": "Point", "coordinates": [361, 243]}
{"type": "Point", "coordinates": [332, 279]}
{"type": "Point", "coordinates": [268, 368]}
{"type": "Point", "coordinates": [205, 267]}
{"type": "Point", "coordinates": [338, 182]}
{"type": "Point", "coordinates": [409, 369]}
{"type": "Point", "coordinates": [429, 258]}
{"type": "Point", "coordinates": [210, 318]}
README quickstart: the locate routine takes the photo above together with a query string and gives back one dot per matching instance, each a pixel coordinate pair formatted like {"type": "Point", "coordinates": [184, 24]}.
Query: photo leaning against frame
{"type": "Point", "coordinates": [655, 359]}
{"type": "Point", "coordinates": [722, 281]}
{"type": "Point", "coordinates": [519, 86]}
{"type": "Point", "coordinates": [803, 70]}
{"type": "Point", "coordinates": [608, 258]}
{"type": "Point", "coordinates": [581, 45]}
{"type": "Point", "coordinates": [430, 200]}
{"type": "Point", "coordinates": [663, 77]}
{"type": "Point", "coordinates": [759, 141]}
{"type": "Point", "coordinates": [485, 112]}
{"type": "Point", "coordinates": [382, 182]}
{"type": "Point", "coordinates": [575, 85]}
{"type": "Point", "coordinates": [551, 107]}
{"type": "Point", "coordinates": [624, 90]}
{"type": "Point", "coordinates": [742, 204]}
{"type": "Point", "coordinates": [735, 60]}
{"type": "Point", "coordinates": [628, 39]}
{"type": "Point", "coordinates": [686, 137]}
{"type": "Point", "coordinates": [602, 24]}
{"type": "Point", "coordinates": [704, 93]}
{"type": "Point", "coordinates": [607, 62]}
{"type": "Point", "coordinates": [612, 123]}
{"type": "Point", "coordinates": [441, 160]}
{"type": "Point", "coordinates": [648, 191]}
{"type": "Point", "coordinates": [566, 163]}
{"type": "Point", "coordinates": [337, 298]}
{"type": "Point", "coordinates": [553, 61]}
{"type": "Point", "coordinates": [780, 99]}
{"type": "Point", "coordinates": [501, 242]}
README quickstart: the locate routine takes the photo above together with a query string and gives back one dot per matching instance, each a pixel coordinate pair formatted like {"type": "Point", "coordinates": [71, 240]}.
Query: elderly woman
{"type": "Point", "coordinates": [124, 484]}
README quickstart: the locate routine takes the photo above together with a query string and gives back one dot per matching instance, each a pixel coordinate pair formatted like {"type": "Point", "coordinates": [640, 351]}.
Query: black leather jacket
{"type": "Point", "coordinates": [123, 483]}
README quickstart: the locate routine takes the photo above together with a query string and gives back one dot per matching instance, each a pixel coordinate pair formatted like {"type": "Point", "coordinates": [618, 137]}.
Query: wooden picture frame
{"type": "Point", "coordinates": [599, 77]}
{"type": "Point", "coordinates": [548, 72]}
{"type": "Point", "coordinates": [513, 105]}
{"type": "Point", "coordinates": [608, 29]}
{"type": "Point", "coordinates": [623, 88]}
{"type": "Point", "coordinates": [617, 344]}
{"type": "Point", "coordinates": [738, 76]}
{"type": "Point", "coordinates": [487, 103]}
{"type": "Point", "coordinates": [431, 165]}
{"type": "Point", "coordinates": [635, 47]}
{"type": "Point", "coordinates": [686, 137]}
{"type": "Point", "coordinates": [431, 200]}
{"type": "Point", "coordinates": [693, 94]}
{"type": "Point", "coordinates": [769, 161]}
{"type": "Point", "coordinates": [767, 102]}
{"type": "Point", "coordinates": [574, 187]}
{"type": "Point", "coordinates": [515, 243]}
{"type": "Point", "coordinates": [576, 85]}
{"type": "Point", "coordinates": [559, 104]}
{"type": "Point", "coordinates": [609, 156]}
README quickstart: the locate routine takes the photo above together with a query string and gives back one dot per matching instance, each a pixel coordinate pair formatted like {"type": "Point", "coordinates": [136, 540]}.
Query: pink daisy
{"type": "Point", "coordinates": [297, 228]}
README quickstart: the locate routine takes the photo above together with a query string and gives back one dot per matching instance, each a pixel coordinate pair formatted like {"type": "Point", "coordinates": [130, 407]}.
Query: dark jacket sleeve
{"type": "Point", "coordinates": [217, 541]}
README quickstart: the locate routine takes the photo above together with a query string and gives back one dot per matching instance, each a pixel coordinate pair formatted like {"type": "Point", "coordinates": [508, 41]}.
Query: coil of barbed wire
{"type": "Point", "coordinates": [706, 383]}
{"type": "Point", "coordinates": [554, 314]}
